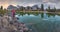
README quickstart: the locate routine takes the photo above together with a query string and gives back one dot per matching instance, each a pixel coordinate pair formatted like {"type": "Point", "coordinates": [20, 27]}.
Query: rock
{"type": "Point", "coordinates": [11, 25]}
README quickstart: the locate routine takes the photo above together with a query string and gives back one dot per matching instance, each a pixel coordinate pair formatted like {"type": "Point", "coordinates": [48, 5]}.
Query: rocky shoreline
{"type": "Point", "coordinates": [7, 24]}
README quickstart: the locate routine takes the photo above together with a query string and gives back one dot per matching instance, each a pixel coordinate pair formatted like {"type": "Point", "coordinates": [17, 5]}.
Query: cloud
{"type": "Point", "coordinates": [5, 3]}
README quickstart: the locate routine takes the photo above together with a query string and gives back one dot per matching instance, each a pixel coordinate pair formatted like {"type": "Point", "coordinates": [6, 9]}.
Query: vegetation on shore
{"type": "Point", "coordinates": [29, 10]}
{"type": "Point", "coordinates": [2, 11]}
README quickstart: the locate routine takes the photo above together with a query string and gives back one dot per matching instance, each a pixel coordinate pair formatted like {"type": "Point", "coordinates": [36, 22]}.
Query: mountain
{"type": "Point", "coordinates": [34, 7]}
{"type": "Point", "coordinates": [10, 7]}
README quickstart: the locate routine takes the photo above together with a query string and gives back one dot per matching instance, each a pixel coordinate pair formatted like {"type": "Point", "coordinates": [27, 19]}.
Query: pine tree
{"type": "Point", "coordinates": [28, 7]}
{"type": "Point", "coordinates": [1, 7]}
{"type": "Point", "coordinates": [42, 7]}
{"type": "Point", "coordinates": [48, 8]}
{"type": "Point", "coordinates": [54, 8]}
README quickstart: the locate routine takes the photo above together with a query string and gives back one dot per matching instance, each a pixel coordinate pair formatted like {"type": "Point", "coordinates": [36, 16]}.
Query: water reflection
{"type": "Point", "coordinates": [42, 16]}
{"type": "Point", "coordinates": [47, 16]}
{"type": "Point", "coordinates": [44, 22]}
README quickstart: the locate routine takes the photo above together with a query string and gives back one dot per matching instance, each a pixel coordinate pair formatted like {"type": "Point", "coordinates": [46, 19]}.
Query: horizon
{"type": "Point", "coordinates": [39, 6]}
{"type": "Point", "coordinates": [52, 3]}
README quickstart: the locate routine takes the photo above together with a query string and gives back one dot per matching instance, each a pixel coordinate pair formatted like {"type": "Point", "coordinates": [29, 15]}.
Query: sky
{"type": "Point", "coordinates": [52, 3]}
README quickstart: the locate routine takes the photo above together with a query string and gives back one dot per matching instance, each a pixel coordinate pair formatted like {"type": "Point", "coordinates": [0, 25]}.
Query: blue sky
{"type": "Point", "coordinates": [52, 3]}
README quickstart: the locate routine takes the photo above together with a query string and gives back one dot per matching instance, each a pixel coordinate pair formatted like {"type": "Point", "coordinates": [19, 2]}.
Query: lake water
{"type": "Point", "coordinates": [43, 22]}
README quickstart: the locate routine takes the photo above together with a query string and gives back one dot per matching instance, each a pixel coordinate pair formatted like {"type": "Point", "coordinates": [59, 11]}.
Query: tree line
{"type": "Point", "coordinates": [2, 11]}
{"type": "Point", "coordinates": [30, 9]}
{"type": "Point", "coordinates": [38, 9]}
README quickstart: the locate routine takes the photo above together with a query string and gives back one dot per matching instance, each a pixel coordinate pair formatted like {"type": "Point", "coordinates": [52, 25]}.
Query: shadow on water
{"type": "Point", "coordinates": [49, 14]}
